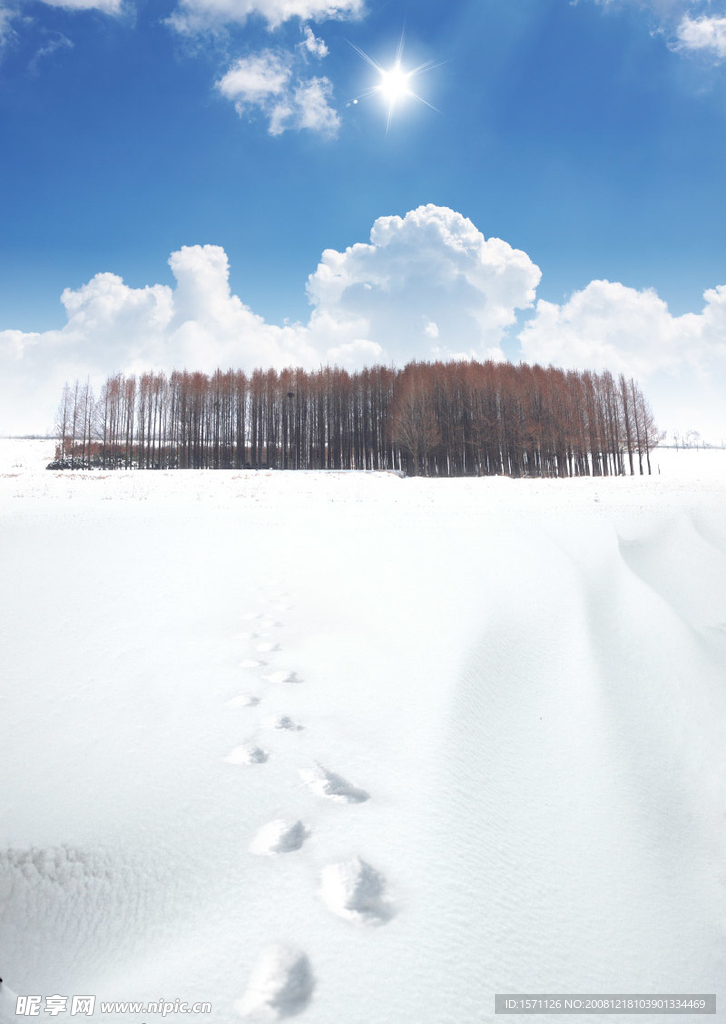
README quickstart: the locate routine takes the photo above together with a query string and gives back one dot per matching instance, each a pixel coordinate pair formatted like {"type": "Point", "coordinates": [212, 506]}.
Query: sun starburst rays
{"type": "Point", "coordinates": [394, 84]}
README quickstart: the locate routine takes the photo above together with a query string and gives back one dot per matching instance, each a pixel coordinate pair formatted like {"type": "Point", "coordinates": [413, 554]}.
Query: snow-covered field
{"type": "Point", "coordinates": [363, 749]}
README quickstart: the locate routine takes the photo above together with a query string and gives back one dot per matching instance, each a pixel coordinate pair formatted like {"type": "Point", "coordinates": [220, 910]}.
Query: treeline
{"type": "Point", "coordinates": [439, 419]}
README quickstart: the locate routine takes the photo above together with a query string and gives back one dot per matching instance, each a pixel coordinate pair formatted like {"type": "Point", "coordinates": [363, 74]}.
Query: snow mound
{"type": "Point", "coordinates": [243, 701]}
{"type": "Point", "coordinates": [247, 755]}
{"type": "Point", "coordinates": [282, 722]}
{"type": "Point", "coordinates": [279, 837]}
{"type": "Point", "coordinates": [251, 663]}
{"type": "Point", "coordinates": [326, 783]}
{"type": "Point", "coordinates": [281, 986]}
{"type": "Point", "coordinates": [356, 892]}
{"type": "Point", "coordinates": [282, 676]}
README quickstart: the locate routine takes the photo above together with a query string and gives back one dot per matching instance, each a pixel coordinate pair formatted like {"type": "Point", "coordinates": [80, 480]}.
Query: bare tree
{"type": "Point", "coordinates": [413, 418]}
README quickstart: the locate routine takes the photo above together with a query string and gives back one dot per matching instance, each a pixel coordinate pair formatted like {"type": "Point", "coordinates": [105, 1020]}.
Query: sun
{"type": "Point", "coordinates": [393, 84]}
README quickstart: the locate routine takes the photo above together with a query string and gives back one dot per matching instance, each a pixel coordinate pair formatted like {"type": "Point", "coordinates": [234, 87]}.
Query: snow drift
{"type": "Point", "coordinates": [527, 677]}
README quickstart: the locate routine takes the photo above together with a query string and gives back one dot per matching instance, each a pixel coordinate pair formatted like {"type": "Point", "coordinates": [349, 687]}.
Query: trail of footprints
{"type": "Point", "coordinates": [282, 983]}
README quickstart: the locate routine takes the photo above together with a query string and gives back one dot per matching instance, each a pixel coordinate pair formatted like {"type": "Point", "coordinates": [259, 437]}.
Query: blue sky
{"type": "Point", "coordinates": [588, 136]}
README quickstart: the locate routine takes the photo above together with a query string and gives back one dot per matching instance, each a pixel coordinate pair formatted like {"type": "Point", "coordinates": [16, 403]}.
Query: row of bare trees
{"type": "Point", "coordinates": [440, 419]}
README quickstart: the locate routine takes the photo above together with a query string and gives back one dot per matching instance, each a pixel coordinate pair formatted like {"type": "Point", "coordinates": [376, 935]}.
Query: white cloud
{"type": "Point", "coordinates": [608, 325]}
{"type": "Point", "coordinates": [207, 15]}
{"type": "Point", "coordinates": [663, 9]}
{"type": "Point", "coordinates": [105, 6]}
{"type": "Point", "coordinates": [687, 25]}
{"type": "Point", "coordinates": [11, 16]}
{"type": "Point", "coordinates": [6, 16]}
{"type": "Point", "coordinates": [680, 360]}
{"type": "Point", "coordinates": [311, 44]}
{"type": "Point", "coordinates": [705, 33]}
{"type": "Point", "coordinates": [310, 108]}
{"type": "Point", "coordinates": [427, 285]}
{"type": "Point", "coordinates": [354, 354]}
{"type": "Point", "coordinates": [253, 81]}
{"type": "Point", "coordinates": [431, 265]}
{"type": "Point", "coordinates": [58, 42]}
{"type": "Point", "coordinates": [264, 81]}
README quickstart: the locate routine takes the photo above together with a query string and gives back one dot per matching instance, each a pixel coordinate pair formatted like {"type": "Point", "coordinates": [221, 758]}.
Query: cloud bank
{"type": "Point", "coordinates": [610, 326]}
{"type": "Point", "coordinates": [680, 359]}
{"type": "Point", "coordinates": [426, 285]}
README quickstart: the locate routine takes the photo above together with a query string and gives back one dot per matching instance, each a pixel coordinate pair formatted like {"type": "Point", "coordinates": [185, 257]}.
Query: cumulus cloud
{"type": "Point", "coordinates": [432, 266]}
{"type": "Point", "coordinates": [681, 360]}
{"type": "Point", "coordinates": [706, 34]}
{"type": "Point", "coordinates": [207, 15]}
{"type": "Point", "coordinates": [610, 326]}
{"type": "Point", "coordinates": [264, 82]}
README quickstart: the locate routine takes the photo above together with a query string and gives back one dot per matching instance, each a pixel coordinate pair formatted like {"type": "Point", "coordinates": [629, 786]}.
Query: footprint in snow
{"type": "Point", "coordinates": [267, 646]}
{"type": "Point", "coordinates": [283, 676]}
{"type": "Point", "coordinates": [279, 837]}
{"type": "Point", "coordinates": [249, 616]}
{"type": "Point", "coordinates": [252, 663]}
{"type": "Point", "coordinates": [356, 892]}
{"type": "Point", "coordinates": [281, 986]}
{"type": "Point", "coordinates": [282, 722]}
{"type": "Point", "coordinates": [247, 754]}
{"type": "Point", "coordinates": [328, 784]}
{"type": "Point", "coordinates": [243, 701]}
